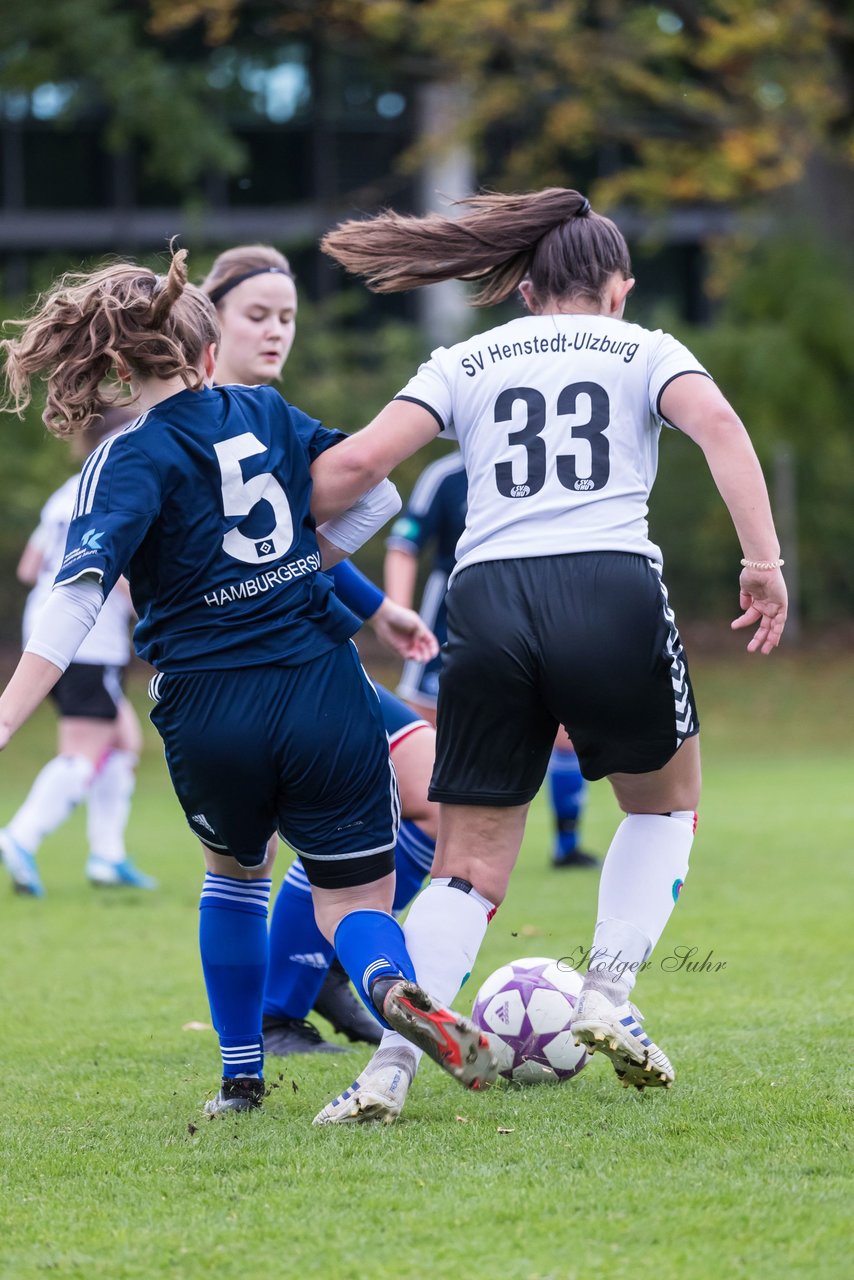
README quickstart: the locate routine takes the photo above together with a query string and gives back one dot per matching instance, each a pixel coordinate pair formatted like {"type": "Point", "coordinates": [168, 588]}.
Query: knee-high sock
{"type": "Point", "coordinates": [370, 945]}
{"type": "Point", "coordinates": [108, 803]}
{"type": "Point", "coordinates": [300, 956]}
{"type": "Point", "coordinates": [233, 945]}
{"type": "Point", "coordinates": [58, 789]}
{"type": "Point", "coordinates": [567, 789]}
{"type": "Point", "coordinates": [444, 929]}
{"type": "Point", "coordinates": [642, 876]}
{"type": "Point", "coordinates": [413, 858]}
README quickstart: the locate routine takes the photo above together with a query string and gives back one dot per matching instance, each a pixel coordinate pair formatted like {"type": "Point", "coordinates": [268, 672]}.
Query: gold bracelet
{"type": "Point", "coordinates": [762, 564]}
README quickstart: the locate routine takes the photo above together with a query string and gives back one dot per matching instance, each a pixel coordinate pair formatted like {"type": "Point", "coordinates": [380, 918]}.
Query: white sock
{"type": "Point", "coordinates": [443, 932]}
{"type": "Point", "coordinates": [642, 876]}
{"type": "Point", "coordinates": [55, 794]}
{"type": "Point", "coordinates": [108, 802]}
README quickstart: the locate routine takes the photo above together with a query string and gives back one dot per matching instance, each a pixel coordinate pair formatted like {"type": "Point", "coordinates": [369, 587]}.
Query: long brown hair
{"type": "Point", "coordinates": [550, 237]}
{"type": "Point", "coordinates": [91, 323]}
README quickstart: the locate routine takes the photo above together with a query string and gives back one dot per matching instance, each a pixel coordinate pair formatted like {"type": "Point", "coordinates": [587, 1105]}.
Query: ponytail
{"type": "Point", "coordinates": [120, 319]}
{"type": "Point", "coordinates": [550, 236]}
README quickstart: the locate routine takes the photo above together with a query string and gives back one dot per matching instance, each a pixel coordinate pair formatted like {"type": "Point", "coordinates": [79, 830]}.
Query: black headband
{"type": "Point", "coordinates": [217, 294]}
{"type": "Point", "coordinates": [583, 209]}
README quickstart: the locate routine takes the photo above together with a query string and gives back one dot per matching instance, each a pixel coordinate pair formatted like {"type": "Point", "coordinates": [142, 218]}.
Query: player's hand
{"type": "Point", "coordinates": [764, 600]}
{"type": "Point", "coordinates": [404, 632]}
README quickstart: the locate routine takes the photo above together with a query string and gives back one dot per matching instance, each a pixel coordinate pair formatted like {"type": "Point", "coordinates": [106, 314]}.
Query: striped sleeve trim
{"type": "Point", "coordinates": [94, 465]}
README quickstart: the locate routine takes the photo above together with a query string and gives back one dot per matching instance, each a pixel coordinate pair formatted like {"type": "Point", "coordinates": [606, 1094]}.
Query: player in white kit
{"type": "Point", "coordinates": [99, 733]}
{"type": "Point", "coordinates": [557, 610]}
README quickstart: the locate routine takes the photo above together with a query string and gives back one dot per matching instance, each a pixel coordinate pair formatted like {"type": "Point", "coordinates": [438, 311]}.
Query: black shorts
{"type": "Point", "coordinates": [588, 641]}
{"type": "Point", "coordinates": [89, 690]}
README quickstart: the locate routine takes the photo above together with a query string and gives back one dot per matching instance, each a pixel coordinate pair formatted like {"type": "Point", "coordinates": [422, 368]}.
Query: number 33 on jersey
{"type": "Point", "coordinates": [562, 406]}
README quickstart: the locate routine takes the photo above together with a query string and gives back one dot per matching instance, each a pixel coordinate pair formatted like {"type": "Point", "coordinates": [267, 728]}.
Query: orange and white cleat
{"type": "Point", "coordinates": [454, 1042]}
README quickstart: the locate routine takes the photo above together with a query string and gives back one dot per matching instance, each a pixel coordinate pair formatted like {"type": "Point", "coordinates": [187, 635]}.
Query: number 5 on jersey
{"type": "Point", "coordinates": [240, 496]}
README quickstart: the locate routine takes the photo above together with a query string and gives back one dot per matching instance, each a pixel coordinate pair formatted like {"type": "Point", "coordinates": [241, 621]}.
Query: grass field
{"type": "Point", "coordinates": [108, 1168]}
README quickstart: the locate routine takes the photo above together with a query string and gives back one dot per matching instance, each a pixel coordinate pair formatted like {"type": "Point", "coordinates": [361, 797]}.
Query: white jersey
{"type": "Point", "coordinates": [108, 642]}
{"type": "Point", "coordinates": [558, 421]}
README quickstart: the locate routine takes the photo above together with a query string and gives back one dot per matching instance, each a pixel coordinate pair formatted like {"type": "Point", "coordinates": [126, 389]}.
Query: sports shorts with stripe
{"type": "Point", "coordinates": [299, 749]}
{"type": "Point", "coordinates": [588, 641]}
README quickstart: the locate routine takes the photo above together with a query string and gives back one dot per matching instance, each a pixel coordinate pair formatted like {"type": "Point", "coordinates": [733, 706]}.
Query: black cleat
{"type": "Point", "coordinates": [578, 858]}
{"type": "Point", "coordinates": [244, 1093]}
{"type": "Point", "coordinates": [337, 1003]}
{"type": "Point", "coordinates": [284, 1036]}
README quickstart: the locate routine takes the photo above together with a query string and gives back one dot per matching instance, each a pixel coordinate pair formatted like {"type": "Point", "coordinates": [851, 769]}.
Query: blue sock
{"type": "Point", "coordinates": [567, 788]}
{"type": "Point", "coordinates": [370, 945]}
{"type": "Point", "coordinates": [413, 859]}
{"type": "Point", "coordinates": [300, 956]}
{"type": "Point", "coordinates": [233, 944]}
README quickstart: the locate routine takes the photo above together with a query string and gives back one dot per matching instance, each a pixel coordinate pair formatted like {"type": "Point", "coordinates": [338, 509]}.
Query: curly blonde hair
{"type": "Point", "coordinates": [93, 326]}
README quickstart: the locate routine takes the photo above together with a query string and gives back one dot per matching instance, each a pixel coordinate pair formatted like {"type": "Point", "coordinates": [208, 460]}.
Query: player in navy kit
{"type": "Point", "coordinates": [435, 515]}
{"type": "Point", "coordinates": [208, 503]}
{"type": "Point", "coordinates": [253, 289]}
{"type": "Point", "coordinates": [557, 611]}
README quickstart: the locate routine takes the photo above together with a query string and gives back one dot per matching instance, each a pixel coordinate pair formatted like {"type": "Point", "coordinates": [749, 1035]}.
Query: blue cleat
{"type": "Point", "coordinates": [21, 867]}
{"type": "Point", "coordinates": [101, 872]}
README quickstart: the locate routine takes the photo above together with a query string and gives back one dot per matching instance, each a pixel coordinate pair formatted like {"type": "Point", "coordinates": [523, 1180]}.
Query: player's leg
{"type": "Point", "coordinates": [619, 682]}
{"type": "Point", "coordinates": [108, 799]}
{"type": "Point", "coordinates": [567, 792]}
{"type": "Point", "coordinates": [344, 827]}
{"type": "Point", "coordinates": [85, 729]}
{"type": "Point", "coordinates": [642, 878]}
{"type": "Point", "coordinates": [300, 957]}
{"type": "Point", "coordinates": [412, 743]}
{"type": "Point", "coordinates": [304, 973]}
{"type": "Point", "coordinates": [225, 769]}
{"type": "Point", "coordinates": [233, 947]}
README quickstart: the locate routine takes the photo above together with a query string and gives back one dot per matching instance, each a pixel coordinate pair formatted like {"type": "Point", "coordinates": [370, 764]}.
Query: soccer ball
{"type": "Point", "coordinates": [526, 1007]}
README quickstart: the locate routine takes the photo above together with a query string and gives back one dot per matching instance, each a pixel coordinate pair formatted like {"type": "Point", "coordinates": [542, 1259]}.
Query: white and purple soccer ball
{"type": "Point", "coordinates": [526, 1007]}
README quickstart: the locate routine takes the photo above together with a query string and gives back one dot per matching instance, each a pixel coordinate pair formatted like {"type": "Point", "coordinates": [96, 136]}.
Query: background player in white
{"type": "Point", "coordinates": [557, 612]}
{"type": "Point", "coordinates": [255, 294]}
{"type": "Point", "coordinates": [99, 736]}
{"type": "Point", "coordinates": [433, 522]}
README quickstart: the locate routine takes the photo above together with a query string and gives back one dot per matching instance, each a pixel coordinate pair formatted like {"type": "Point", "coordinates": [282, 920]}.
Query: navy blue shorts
{"type": "Point", "coordinates": [588, 641]}
{"type": "Point", "coordinates": [301, 750]}
{"type": "Point", "coordinates": [399, 719]}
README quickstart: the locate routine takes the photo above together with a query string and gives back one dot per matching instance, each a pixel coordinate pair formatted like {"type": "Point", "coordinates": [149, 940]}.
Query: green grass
{"type": "Point", "coordinates": [108, 1169]}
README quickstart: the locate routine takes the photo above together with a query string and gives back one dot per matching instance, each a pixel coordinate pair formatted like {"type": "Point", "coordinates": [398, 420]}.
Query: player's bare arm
{"type": "Point", "coordinates": [696, 406]}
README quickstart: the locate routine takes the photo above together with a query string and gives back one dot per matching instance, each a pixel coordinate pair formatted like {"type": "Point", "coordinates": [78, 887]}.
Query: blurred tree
{"type": "Point", "coordinates": [99, 58]}
{"type": "Point", "coordinates": [686, 100]}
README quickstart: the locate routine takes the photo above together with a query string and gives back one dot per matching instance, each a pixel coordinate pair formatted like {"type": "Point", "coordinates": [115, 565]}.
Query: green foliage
{"type": "Point", "coordinates": [781, 351]}
{"type": "Point", "coordinates": [102, 55]}
{"type": "Point", "coordinates": [718, 100]}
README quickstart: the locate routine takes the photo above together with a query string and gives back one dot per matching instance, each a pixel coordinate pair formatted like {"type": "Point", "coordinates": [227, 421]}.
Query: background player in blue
{"type": "Point", "coordinates": [208, 502]}
{"type": "Point", "coordinates": [557, 610]}
{"type": "Point", "coordinates": [434, 518]}
{"type": "Point", "coordinates": [253, 289]}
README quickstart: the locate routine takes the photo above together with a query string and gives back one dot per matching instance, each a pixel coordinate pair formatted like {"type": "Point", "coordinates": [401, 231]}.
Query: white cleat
{"type": "Point", "coordinates": [616, 1031]}
{"type": "Point", "coordinates": [378, 1094]}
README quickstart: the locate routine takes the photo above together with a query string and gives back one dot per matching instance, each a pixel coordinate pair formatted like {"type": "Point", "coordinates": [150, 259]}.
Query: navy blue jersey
{"type": "Point", "coordinates": [435, 513]}
{"type": "Point", "coordinates": [203, 502]}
